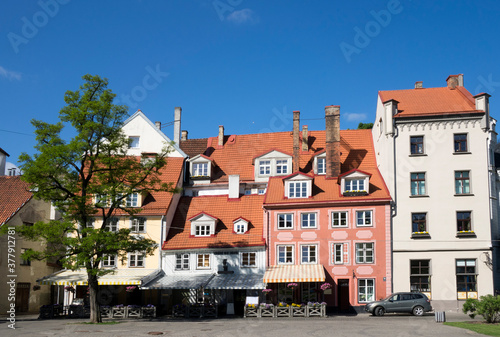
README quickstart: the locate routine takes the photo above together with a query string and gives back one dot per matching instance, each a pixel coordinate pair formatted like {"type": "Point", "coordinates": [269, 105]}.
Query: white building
{"type": "Point", "coordinates": [434, 148]}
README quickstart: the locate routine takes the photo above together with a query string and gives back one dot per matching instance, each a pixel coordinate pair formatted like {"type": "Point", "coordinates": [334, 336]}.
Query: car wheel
{"type": "Point", "coordinates": [418, 311]}
{"type": "Point", "coordinates": [379, 311]}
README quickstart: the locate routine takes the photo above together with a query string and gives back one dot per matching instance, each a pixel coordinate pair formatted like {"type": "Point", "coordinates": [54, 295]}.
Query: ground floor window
{"type": "Point", "coordinates": [285, 294]}
{"type": "Point", "coordinates": [366, 290]}
{"type": "Point", "coordinates": [309, 292]}
{"type": "Point", "coordinates": [420, 275]}
{"type": "Point", "coordinates": [466, 278]}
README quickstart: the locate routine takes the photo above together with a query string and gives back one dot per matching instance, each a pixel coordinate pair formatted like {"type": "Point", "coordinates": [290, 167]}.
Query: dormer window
{"type": "Point", "coordinates": [298, 185]}
{"type": "Point", "coordinates": [200, 167]}
{"type": "Point", "coordinates": [265, 167]}
{"type": "Point", "coordinates": [203, 225]}
{"type": "Point", "coordinates": [240, 226]}
{"type": "Point", "coordinates": [272, 163]}
{"type": "Point", "coordinates": [202, 229]}
{"type": "Point", "coordinates": [281, 166]}
{"type": "Point", "coordinates": [321, 166]}
{"type": "Point", "coordinates": [355, 182]}
{"type": "Point", "coordinates": [133, 200]}
{"type": "Point", "coordinates": [354, 185]}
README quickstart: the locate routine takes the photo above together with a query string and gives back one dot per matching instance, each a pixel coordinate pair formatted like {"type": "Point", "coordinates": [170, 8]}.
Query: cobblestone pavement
{"type": "Point", "coordinates": [360, 325]}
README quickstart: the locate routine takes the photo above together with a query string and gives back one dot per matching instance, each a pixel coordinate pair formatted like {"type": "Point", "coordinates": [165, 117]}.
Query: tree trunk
{"type": "Point", "coordinates": [95, 312]}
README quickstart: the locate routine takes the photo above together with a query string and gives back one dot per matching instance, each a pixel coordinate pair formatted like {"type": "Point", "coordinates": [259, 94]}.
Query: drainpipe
{"type": "Point", "coordinates": [161, 241]}
{"type": "Point", "coordinates": [394, 206]}
{"type": "Point", "coordinates": [267, 240]}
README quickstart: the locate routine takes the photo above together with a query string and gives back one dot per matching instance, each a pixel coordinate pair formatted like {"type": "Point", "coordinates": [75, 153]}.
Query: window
{"type": "Point", "coordinates": [340, 253]}
{"type": "Point", "coordinates": [136, 260]}
{"type": "Point", "coordinates": [297, 189]}
{"type": "Point", "coordinates": [90, 223]}
{"type": "Point", "coordinates": [281, 166]}
{"type": "Point", "coordinates": [200, 169]}
{"type": "Point", "coordinates": [363, 218]}
{"type": "Point", "coordinates": [418, 183]}
{"type": "Point", "coordinates": [285, 221]}
{"type": "Point", "coordinates": [308, 254]}
{"type": "Point", "coordinates": [420, 275]}
{"type": "Point", "coordinates": [364, 252]}
{"type": "Point", "coordinates": [138, 225]}
{"type": "Point", "coordinates": [265, 167]}
{"type": "Point", "coordinates": [460, 140]}
{"type": "Point", "coordinates": [132, 200]}
{"type": "Point", "coordinates": [354, 185]}
{"type": "Point", "coordinates": [101, 200]}
{"type": "Point", "coordinates": [321, 168]}
{"type": "Point", "coordinates": [308, 220]}
{"type": "Point", "coordinates": [464, 223]}
{"type": "Point", "coordinates": [203, 261]}
{"type": "Point", "coordinates": [417, 144]}
{"type": "Point", "coordinates": [462, 182]}
{"type": "Point", "coordinates": [109, 261]}
{"type": "Point", "coordinates": [466, 278]}
{"type": "Point", "coordinates": [202, 230]}
{"type": "Point", "coordinates": [23, 261]}
{"type": "Point", "coordinates": [308, 292]}
{"type": "Point", "coordinates": [112, 225]}
{"type": "Point", "coordinates": [240, 228]}
{"type": "Point", "coordinates": [262, 191]}
{"type": "Point", "coordinates": [418, 222]}
{"type": "Point", "coordinates": [182, 261]}
{"type": "Point", "coordinates": [366, 290]}
{"type": "Point", "coordinates": [248, 259]}
{"type": "Point", "coordinates": [339, 219]}
{"type": "Point", "coordinates": [285, 254]}
{"type": "Point", "coordinates": [133, 142]}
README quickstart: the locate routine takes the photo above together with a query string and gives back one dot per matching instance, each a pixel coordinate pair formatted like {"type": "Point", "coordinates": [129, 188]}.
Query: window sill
{"type": "Point", "coordinates": [465, 152]}
{"type": "Point", "coordinates": [420, 236]}
{"type": "Point", "coordinates": [464, 195]}
{"type": "Point", "coordinates": [136, 267]}
{"type": "Point", "coordinates": [285, 229]}
{"type": "Point", "coordinates": [417, 155]}
{"type": "Point", "coordinates": [466, 235]}
{"type": "Point", "coordinates": [354, 194]}
{"type": "Point", "coordinates": [200, 177]}
{"type": "Point", "coordinates": [419, 196]}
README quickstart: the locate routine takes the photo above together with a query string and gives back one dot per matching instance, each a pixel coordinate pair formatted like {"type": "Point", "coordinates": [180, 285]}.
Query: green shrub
{"type": "Point", "coordinates": [487, 306]}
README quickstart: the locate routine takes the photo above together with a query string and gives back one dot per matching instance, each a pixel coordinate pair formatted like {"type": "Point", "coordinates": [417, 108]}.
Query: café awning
{"type": "Point", "coordinates": [236, 281]}
{"type": "Point", "coordinates": [117, 277]}
{"type": "Point", "coordinates": [178, 281]}
{"type": "Point", "coordinates": [295, 273]}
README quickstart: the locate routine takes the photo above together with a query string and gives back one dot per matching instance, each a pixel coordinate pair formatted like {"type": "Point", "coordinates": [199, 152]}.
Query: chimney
{"type": "Point", "coordinates": [418, 85]}
{"type": "Point", "coordinates": [158, 125]}
{"type": "Point", "coordinates": [455, 80]}
{"type": "Point", "coordinates": [296, 141]}
{"type": "Point", "coordinates": [221, 136]}
{"type": "Point", "coordinates": [234, 186]}
{"type": "Point", "coordinates": [483, 104]}
{"type": "Point", "coordinates": [177, 125]}
{"type": "Point", "coordinates": [390, 109]}
{"type": "Point", "coordinates": [332, 121]}
{"type": "Point", "coordinates": [184, 135]}
{"type": "Point", "coordinates": [305, 138]}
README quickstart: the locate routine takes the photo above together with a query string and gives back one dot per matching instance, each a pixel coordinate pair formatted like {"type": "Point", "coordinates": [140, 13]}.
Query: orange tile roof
{"type": "Point", "coordinates": [431, 101]}
{"type": "Point", "coordinates": [14, 194]}
{"type": "Point", "coordinates": [248, 206]}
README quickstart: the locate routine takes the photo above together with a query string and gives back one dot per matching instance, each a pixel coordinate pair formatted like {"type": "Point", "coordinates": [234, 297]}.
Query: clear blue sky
{"type": "Point", "coordinates": [238, 63]}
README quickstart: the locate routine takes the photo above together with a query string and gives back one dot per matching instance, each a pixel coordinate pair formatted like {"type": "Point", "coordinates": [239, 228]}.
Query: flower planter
{"type": "Point", "coordinates": [179, 311]}
{"type": "Point", "coordinates": [134, 312]}
{"type": "Point", "coordinates": [106, 312]}
{"type": "Point", "coordinates": [267, 311]}
{"type": "Point", "coordinates": [149, 312]}
{"type": "Point", "coordinates": [354, 193]}
{"type": "Point", "coordinates": [119, 312]}
{"type": "Point", "coordinates": [298, 311]}
{"type": "Point", "coordinates": [466, 235]}
{"type": "Point", "coordinates": [209, 311]}
{"type": "Point", "coordinates": [194, 311]}
{"type": "Point", "coordinates": [283, 311]}
{"type": "Point", "coordinates": [251, 311]}
{"type": "Point", "coordinates": [318, 310]}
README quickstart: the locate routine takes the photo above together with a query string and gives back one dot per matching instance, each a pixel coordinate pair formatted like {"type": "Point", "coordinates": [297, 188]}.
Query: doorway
{"type": "Point", "coordinates": [22, 297]}
{"type": "Point", "coordinates": [343, 293]}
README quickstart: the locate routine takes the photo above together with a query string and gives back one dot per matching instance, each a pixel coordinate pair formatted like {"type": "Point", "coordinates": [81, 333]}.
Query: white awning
{"type": "Point", "coordinates": [178, 282]}
{"type": "Point", "coordinates": [295, 273]}
{"type": "Point", "coordinates": [117, 277]}
{"type": "Point", "coordinates": [236, 281]}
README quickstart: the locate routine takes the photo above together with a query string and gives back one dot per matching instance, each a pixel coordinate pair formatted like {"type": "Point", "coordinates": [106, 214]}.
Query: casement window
{"type": "Point", "coordinates": [200, 169]}
{"type": "Point", "coordinates": [133, 142]}
{"type": "Point", "coordinates": [364, 252]}
{"type": "Point", "coordinates": [182, 261]}
{"type": "Point", "coordinates": [364, 218]}
{"type": "Point", "coordinates": [366, 290]}
{"type": "Point", "coordinates": [203, 261]}
{"type": "Point", "coordinates": [339, 219]}
{"type": "Point", "coordinates": [308, 292]}
{"type": "Point", "coordinates": [202, 230]}
{"type": "Point", "coordinates": [262, 191]}
{"type": "Point", "coordinates": [420, 275]}
{"type": "Point", "coordinates": [418, 183]}
{"type": "Point", "coordinates": [102, 200]}
{"type": "Point", "coordinates": [239, 228]}
{"type": "Point", "coordinates": [132, 200]}
{"type": "Point", "coordinates": [264, 167]}
{"type": "Point", "coordinates": [281, 166]}
{"type": "Point", "coordinates": [285, 221]}
{"type": "Point", "coordinates": [466, 278]}
{"type": "Point", "coordinates": [308, 220]}
{"type": "Point", "coordinates": [321, 166]}
{"type": "Point", "coordinates": [90, 223]}
{"type": "Point", "coordinates": [462, 182]}
{"type": "Point", "coordinates": [285, 254]}
{"type": "Point", "coordinates": [138, 225]}
{"type": "Point", "coordinates": [109, 261]}
{"type": "Point", "coordinates": [24, 262]}
{"type": "Point", "coordinates": [419, 222]}
{"type": "Point", "coordinates": [308, 254]}
{"type": "Point", "coordinates": [112, 225]}
{"type": "Point", "coordinates": [248, 259]}
{"type": "Point", "coordinates": [460, 142]}
{"type": "Point", "coordinates": [297, 189]}
{"type": "Point", "coordinates": [464, 221]}
{"type": "Point", "coordinates": [352, 185]}
{"type": "Point", "coordinates": [136, 259]}
{"type": "Point", "coordinates": [417, 144]}
{"type": "Point", "coordinates": [340, 253]}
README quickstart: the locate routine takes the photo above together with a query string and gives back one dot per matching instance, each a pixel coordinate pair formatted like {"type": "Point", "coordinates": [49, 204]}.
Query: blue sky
{"type": "Point", "coordinates": [239, 63]}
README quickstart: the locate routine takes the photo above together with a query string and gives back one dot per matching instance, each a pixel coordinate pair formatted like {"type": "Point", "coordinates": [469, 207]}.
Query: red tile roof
{"type": "Point", "coordinates": [248, 207]}
{"type": "Point", "coordinates": [431, 101]}
{"type": "Point", "coordinates": [14, 194]}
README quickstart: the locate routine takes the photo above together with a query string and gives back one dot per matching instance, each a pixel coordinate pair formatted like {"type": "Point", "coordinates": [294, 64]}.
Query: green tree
{"type": "Point", "coordinates": [487, 306]}
{"type": "Point", "coordinates": [365, 126]}
{"type": "Point", "coordinates": [70, 174]}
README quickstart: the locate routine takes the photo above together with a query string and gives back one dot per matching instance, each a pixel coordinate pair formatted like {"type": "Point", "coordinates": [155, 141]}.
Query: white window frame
{"type": "Point", "coordinates": [132, 200]}
{"type": "Point", "coordinates": [310, 258]}
{"type": "Point", "coordinates": [262, 191]}
{"type": "Point", "coordinates": [341, 257]}
{"type": "Point", "coordinates": [112, 225]}
{"type": "Point", "coordinates": [136, 223]}
{"type": "Point", "coordinates": [355, 184]}
{"type": "Point", "coordinates": [363, 284]}
{"type": "Point", "coordinates": [202, 229]}
{"type": "Point", "coordinates": [136, 260]}
{"type": "Point", "coordinates": [182, 261]}
{"type": "Point", "coordinates": [90, 223]}
{"type": "Point", "coordinates": [308, 220]}
{"type": "Point", "coordinates": [336, 216]}
{"type": "Point", "coordinates": [204, 258]}
{"type": "Point", "coordinates": [302, 189]}
{"type": "Point", "coordinates": [200, 169]}
{"type": "Point", "coordinates": [321, 168]}
{"type": "Point", "coordinates": [109, 261]}
{"type": "Point", "coordinates": [286, 252]}
{"type": "Point", "coordinates": [282, 223]}
{"type": "Point", "coordinates": [281, 166]}
{"type": "Point", "coordinates": [265, 167]}
{"type": "Point", "coordinates": [362, 251]}
{"type": "Point", "coordinates": [364, 218]}
{"type": "Point", "coordinates": [134, 142]}
{"type": "Point", "coordinates": [246, 259]}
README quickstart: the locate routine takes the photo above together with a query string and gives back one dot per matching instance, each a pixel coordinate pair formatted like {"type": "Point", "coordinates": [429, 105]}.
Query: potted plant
{"type": "Point", "coordinates": [149, 311]}
{"type": "Point", "coordinates": [119, 311]}
{"type": "Point", "coordinates": [282, 310]}
{"type": "Point", "coordinates": [251, 310]}
{"type": "Point", "coordinates": [298, 310]}
{"type": "Point", "coordinates": [266, 310]}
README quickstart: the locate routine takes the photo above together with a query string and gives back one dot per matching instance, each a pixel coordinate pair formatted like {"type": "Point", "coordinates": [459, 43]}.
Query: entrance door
{"type": "Point", "coordinates": [343, 294]}
{"type": "Point", "coordinates": [22, 297]}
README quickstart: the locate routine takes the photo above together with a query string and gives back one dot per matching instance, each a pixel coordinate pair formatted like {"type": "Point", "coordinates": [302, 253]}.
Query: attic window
{"type": "Point", "coordinates": [200, 169]}
{"type": "Point", "coordinates": [133, 142]}
{"type": "Point", "coordinates": [240, 226]}
{"type": "Point", "coordinates": [355, 183]}
{"type": "Point", "coordinates": [203, 225]}
{"type": "Point", "coordinates": [321, 166]}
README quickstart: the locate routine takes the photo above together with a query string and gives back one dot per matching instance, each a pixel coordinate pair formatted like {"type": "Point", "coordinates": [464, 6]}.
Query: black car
{"type": "Point", "coordinates": [415, 303]}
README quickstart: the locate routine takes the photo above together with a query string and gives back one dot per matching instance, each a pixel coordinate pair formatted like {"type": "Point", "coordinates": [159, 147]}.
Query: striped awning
{"type": "Point", "coordinates": [295, 273]}
{"type": "Point", "coordinates": [236, 281]}
{"type": "Point", "coordinates": [186, 281]}
{"type": "Point", "coordinates": [117, 277]}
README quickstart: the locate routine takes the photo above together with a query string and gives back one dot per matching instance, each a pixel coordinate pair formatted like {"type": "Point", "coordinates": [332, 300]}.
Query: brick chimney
{"type": "Point", "coordinates": [332, 121]}
{"type": "Point", "coordinates": [296, 141]}
{"type": "Point", "coordinates": [177, 125]}
{"type": "Point", "coordinates": [221, 136]}
{"type": "Point", "coordinates": [455, 80]}
{"type": "Point", "coordinates": [158, 125]}
{"type": "Point", "coordinates": [184, 135]}
{"type": "Point", "coordinates": [305, 138]}
{"type": "Point", "coordinates": [418, 85]}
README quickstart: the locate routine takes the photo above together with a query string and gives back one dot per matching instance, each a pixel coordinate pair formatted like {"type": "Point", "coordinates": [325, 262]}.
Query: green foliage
{"type": "Point", "coordinates": [365, 126]}
{"type": "Point", "coordinates": [485, 329]}
{"type": "Point", "coordinates": [487, 306]}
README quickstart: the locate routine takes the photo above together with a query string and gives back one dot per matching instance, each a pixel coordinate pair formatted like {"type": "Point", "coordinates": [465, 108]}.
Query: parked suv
{"type": "Point", "coordinates": [415, 303]}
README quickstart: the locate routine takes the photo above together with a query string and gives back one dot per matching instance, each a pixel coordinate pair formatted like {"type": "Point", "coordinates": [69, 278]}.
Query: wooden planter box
{"type": "Point", "coordinates": [119, 312]}
{"type": "Point", "coordinates": [133, 312]}
{"type": "Point", "coordinates": [283, 311]}
{"type": "Point", "coordinates": [316, 310]}
{"type": "Point", "coordinates": [194, 311]}
{"type": "Point", "coordinates": [46, 312]}
{"type": "Point", "coordinates": [209, 311]}
{"type": "Point", "coordinates": [251, 312]}
{"type": "Point", "coordinates": [267, 312]}
{"type": "Point", "coordinates": [179, 311]}
{"type": "Point", "coordinates": [106, 312]}
{"type": "Point", "coordinates": [148, 312]}
{"type": "Point", "coordinates": [298, 311]}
